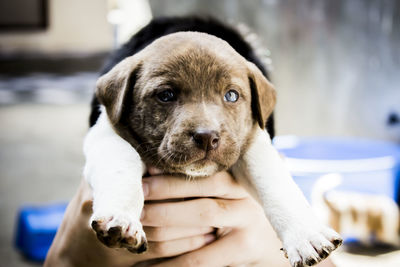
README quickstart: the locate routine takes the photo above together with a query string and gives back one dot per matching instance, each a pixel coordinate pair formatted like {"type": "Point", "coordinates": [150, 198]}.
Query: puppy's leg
{"type": "Point", "coordinates": [114, 171]}
{"type": "Point", "coordinates": [305, 241]}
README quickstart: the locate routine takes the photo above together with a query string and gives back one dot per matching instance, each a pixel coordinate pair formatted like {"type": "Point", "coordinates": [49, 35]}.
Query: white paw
{"type": "Point", "coordinates": [119, 231]}
{"type": "Point", "coordinates": [308, 247]}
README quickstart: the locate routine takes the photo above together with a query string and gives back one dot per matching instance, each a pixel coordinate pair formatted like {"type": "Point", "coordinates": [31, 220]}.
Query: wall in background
{"type": "Point", "coordinates": [336, 63]}
{"type": "Point", "coordinates": [75, 26]}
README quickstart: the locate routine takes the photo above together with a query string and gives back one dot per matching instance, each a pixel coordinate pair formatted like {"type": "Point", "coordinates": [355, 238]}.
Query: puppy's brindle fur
{"type": "Point", "coordinates": [200, 69]}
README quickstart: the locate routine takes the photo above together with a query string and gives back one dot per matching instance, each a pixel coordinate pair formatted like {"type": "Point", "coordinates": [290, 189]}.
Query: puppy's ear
{"type": "Point", "coordinates": [114, 87]}
{"type": "Point", "coordinates": [263, 95]}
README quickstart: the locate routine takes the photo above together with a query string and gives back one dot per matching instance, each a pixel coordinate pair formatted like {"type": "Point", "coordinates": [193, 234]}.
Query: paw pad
{"type": "Point", "coordinates": [115, 234]}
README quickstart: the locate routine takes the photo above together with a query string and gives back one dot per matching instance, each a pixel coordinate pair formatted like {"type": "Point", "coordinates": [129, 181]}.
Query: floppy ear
{"type": "Point", "coordinates": [114, 87]}
{"type": "Point", "coordinates": [263, 96]}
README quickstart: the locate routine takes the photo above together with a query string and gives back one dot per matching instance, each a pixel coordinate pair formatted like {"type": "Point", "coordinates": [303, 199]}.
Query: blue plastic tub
{"type": "Point", "coordinates": [36, 228]}
{"type": "Point", "coordinates": [367, 166]}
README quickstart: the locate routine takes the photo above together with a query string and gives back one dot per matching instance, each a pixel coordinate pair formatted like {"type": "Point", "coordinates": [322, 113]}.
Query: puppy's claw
{"type": "Point", "coordinates": [142, 248]}
{"type": "Point", "coordinates": [324, 253]}
{"type": "Point", "coordinates": [284, 253]}
{"type": "Point", "coordinates": [337, 242]}
{"type": "Point", "coordinates": [95, 225]}
{"type": "Point", "coordinates": [311, 262]}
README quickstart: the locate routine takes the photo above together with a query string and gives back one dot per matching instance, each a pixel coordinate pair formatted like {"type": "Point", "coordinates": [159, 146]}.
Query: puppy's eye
{"type": "Point", "coordinates": [166, 96]}
{"type": "Point", "coordinates": [231, 96]}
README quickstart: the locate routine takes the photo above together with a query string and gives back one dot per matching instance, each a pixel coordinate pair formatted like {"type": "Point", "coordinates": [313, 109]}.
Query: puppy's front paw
{"type": "Point", "coordinates": [307, 248]}
{"type": "Point", "coordinates": [120, 231]}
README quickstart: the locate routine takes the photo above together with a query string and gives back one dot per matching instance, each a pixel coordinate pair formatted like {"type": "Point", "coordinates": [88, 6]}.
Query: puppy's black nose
{"type": "Point", "coordinates": [205, 139]}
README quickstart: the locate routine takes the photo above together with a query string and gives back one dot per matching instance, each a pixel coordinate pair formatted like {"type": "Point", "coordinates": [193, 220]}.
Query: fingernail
{"type": "Point", "coordinates": [209, 238]}
{"type": "Point", "coordinates": [146, 189]}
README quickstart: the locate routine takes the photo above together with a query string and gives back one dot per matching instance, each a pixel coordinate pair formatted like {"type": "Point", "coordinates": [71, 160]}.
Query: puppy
{"type": "Point", "coordinates": [188, 103]}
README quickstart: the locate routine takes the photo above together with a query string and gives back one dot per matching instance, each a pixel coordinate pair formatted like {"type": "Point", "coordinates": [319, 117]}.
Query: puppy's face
{"type": "Point", "coordinates": [188, 103]}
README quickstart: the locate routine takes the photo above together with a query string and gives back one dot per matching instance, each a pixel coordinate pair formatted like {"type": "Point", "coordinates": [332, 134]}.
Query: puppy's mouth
{"type": "Point", "coordinates": [206, 160]}
{"type": "Point", "coordinates": [199, 166]}
{"type": "Point", "coordinates": [197, 163]}
{"type": "Point", "coordinates": [179, 159]}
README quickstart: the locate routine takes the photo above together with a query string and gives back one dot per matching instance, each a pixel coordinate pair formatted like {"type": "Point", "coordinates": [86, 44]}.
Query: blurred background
{"type": "Point", "coordinates": [335, 64]}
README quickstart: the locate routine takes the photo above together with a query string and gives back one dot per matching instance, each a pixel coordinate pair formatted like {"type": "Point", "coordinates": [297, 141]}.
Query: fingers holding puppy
{"type": "Point", "coordinates": [162, 234]}
{"type": "Point", "coordinates": [220, 185]}
{"type": "Point", "coordinates": [178, 246]}
{"type": "Point", "coordinates": [199, 213]}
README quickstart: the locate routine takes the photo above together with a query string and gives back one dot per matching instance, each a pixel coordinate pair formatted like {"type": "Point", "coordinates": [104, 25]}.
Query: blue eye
{"type": "Point", "coordinates": [231, 96]}
{"type": "Point", "coordinates": [166, 96]}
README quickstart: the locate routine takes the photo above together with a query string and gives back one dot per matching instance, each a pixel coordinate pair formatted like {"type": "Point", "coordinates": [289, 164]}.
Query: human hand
{"type": "Point", "coordinates": [244, 236]}
{"type": "Point", "coordinates": [182, 228]}
{"type": "Point", "coordinates": [243, 232]}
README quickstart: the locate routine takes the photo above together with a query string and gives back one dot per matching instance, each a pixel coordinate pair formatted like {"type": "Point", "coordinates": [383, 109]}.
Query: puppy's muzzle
{"type": "Point", "coordinates": [206, 139]}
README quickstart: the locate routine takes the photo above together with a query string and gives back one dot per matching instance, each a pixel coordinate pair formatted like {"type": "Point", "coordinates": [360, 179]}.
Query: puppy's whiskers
{"type": "Point", "coordinates": [154, 143]}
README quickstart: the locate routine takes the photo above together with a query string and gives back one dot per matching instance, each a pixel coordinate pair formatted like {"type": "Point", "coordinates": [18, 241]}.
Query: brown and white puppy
{"type": "Point", "coordinates": [190, 104]}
